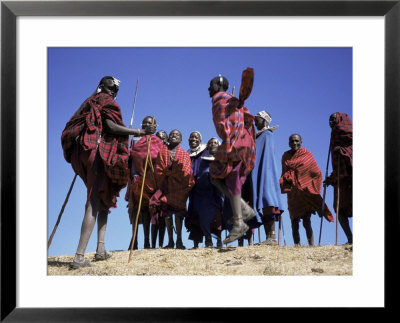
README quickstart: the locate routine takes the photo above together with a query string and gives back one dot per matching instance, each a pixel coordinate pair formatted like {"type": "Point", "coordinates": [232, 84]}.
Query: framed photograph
{"type": "Point", "coordinates": [33, 30]}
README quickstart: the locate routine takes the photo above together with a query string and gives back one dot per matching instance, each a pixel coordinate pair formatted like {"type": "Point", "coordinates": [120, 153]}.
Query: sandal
{"type": "Point", "coordinates": [102, 256]}
{"type": "Point", "coordinates": [236, 233]}
{"type": "Point", "coordinates": [76, 265]}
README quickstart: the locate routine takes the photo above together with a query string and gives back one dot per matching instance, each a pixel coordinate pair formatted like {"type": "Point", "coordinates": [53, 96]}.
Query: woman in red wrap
{"type": "Point", "coordinates": [341, 148]}
{"type": "Point", "coordinates": [95, 142]}
{"type": "Point", "coordinates": [137, 160]}
{"type": "Point", "coordinates": [175, 179]}
{"type": "Point", "coordinates": [301, 180]}
{"type": "Point", "coordinates": [235, 157]}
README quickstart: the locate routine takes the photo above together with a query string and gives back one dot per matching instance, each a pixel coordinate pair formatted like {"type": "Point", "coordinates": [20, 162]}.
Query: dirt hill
{"type": "Point", "coordinates": [256, 260]}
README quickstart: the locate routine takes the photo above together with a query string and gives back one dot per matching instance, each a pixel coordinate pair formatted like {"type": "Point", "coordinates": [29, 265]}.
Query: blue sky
{"type": "Point", "coordinates": [300, 87]}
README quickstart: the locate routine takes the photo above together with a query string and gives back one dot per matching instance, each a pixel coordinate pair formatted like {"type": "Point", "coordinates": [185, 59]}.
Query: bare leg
{"type": "Point", "coordinates": [309, 231]}
{"type": "Point", "coordinates": [168, 223]}
{"type": "Point", "coordinates": [295, 232]}
{"type": "Point", "coordinates": [239, 227]}
{"type": "Point", "coordinates": [101, 231]}
{"type": "Point", "coordinates": [89, 220]}
{"type": "Point", "coordinates": [161, 233]}
{"type": "Point", "coordinates": [269, 228]}
{"type": "Point", "coordinates": [344, 223]}
{"type": "Point", "coordinates": [219, 242]}
{"type": "Point", "coordinates": [178, 223]}
{"type": "Point", "coordinates": [146, 228]}
{"type": "Point", "coordinates": [247, 211]}
{"type": "Point", "coordinates": [154, 230]}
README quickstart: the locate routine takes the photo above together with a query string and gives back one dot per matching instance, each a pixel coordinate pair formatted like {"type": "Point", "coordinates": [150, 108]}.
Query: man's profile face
{"type": "Point", "coordinates": [175, 137]}
{"type": "Point", "coordinates": [194, 140]}
{"type": "Point", "coordinates": [259, 122]}
{"type": "Point", "coordinates": [295, 142]}
{"type": "Point", "coordinates": [332, 120]}
{"type": "Point", "coordinates": [110, 87]}
{"type": "Point", "coordinates": [213, 87]}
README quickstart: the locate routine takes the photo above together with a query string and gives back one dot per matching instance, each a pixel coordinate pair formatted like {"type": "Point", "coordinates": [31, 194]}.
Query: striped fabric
{"type": "Point", "coordinates": [86, 127]}
{"type": "Point", "coordinates": [175, 181]}
{"type": "Point", "coordinates": [138, 153]}
{"type": "Point", "coordinates": [301, 179]}
{"type": "Point", "coordinates": [342, 136]}
{"type": "Point", "coordinates": [235, 127]}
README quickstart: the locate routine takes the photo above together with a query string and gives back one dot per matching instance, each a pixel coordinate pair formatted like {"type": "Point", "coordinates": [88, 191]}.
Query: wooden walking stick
{"type": "Point", "coordinates": [323, 198]}
{"type": "Point", "coordinates": [140, 198]}
{"type": "Point", "coordinates": [61, 212]}
{"type": "Point", "coordinates": [337, 200]}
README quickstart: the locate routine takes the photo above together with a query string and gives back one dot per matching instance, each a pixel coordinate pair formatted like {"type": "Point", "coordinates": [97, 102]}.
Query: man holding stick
{"type": "Point", "coordinates": [341, 178]}
{"type": "Point", "coordinates": [137, 159]}
{"type": "Point", "coordinates": [95, 142]}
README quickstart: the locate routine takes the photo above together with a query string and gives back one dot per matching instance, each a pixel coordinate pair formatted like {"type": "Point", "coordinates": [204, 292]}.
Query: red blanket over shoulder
{"type": "Point", "coordinates": [175, 181]}
{"type": "Point", "coordinates": [235, 127]}
{"type": "Point", "coordinates": [342, 136]}
{"type": "Point", "coordinates": [138, 154]}
{"type": "Point", "coordinates": [301, 179]}
{"type": "Point", "coordinates": [86, 129]}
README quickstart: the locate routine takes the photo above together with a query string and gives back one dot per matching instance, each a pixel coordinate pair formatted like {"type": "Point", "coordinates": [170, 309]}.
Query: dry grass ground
{"type": "Point", "coordinates": [254, 260]}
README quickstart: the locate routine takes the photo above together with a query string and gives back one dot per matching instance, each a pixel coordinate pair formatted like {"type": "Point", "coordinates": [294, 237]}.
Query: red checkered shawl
{"type": "Point", "coordinates": [138, 154]}
{"type": "Point", "coordinates": [86, 128]}
{"type": "Point", "coordinates": [235, 127]}
{"type": "Point", "coordinates": [301, 179]}
{"type": "Point", "coordinates": [175, 180]}
{"type": "Point", "coordinates": [342, 136]}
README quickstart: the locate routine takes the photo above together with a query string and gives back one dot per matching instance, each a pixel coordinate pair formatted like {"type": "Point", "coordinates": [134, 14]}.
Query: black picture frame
{"type": "Point", "coordinates": [10, 10]}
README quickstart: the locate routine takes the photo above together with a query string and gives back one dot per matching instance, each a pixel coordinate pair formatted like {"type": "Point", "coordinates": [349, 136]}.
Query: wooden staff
{"type": "Point", "coordinates": [337, 201]}
{"type": "Point", "coordinates": [140, 198]}
{"type": "Point", "coordinates": [323, 198]}
{"type": "Point", "coordinates": [61, 212]}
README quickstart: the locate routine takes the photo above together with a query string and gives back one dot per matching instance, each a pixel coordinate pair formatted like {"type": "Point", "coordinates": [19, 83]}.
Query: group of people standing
{"type": "Point", "coordinates": [233, 184]}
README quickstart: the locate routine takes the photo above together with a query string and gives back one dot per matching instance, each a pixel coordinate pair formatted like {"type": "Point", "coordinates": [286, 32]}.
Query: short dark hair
{"type": "Point", "coordinates": [295, 134]}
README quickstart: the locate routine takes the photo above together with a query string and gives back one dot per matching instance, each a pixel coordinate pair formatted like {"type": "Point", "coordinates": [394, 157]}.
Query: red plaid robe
{"type": "Point", "coordinates": [342, 136]}
{"type": "Point", "coordinates": [235, 127]}
{"type": "Point", "coordinates": [138, 153]}
{"type": "Point", "coordinates": [86, 129]}
{"type": "Point", "coordinates": [301, 179]}
{"type": "Point", "coordinates": [175, 180]}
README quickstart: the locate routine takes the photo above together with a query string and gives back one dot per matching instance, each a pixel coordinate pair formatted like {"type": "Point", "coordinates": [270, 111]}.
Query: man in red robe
{"type": "Point", "coordinates": [235, 157]}
{"type": "Point", "coordinates": [95, 142]}
{"type": "Point", "coordinates": [341, 148]}
{"type": "Point", "coordinates": [137, 160]}
{"type": "Point", "coordinates": [175, 179]}
{"type": "Point", "coordinates": [301, 180]}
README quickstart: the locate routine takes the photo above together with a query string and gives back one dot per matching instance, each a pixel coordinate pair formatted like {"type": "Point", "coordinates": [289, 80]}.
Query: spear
{"type": "Point", "coordinates": [134, 103]}
{"type": "Point", "coordinates": [61, 212]}
{"type": "Point", "coordinates": [323, 197]}
{"type": "Point", "coordinates": [140, 198]}
{"type": "Point", "coordinates": [337, 201]}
